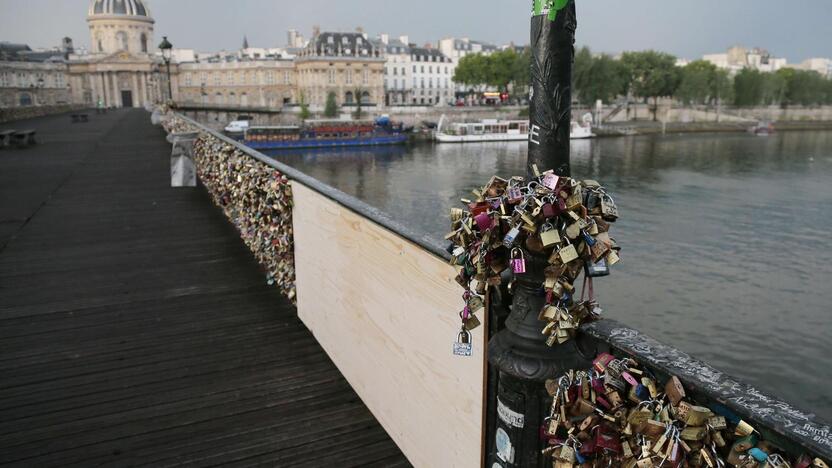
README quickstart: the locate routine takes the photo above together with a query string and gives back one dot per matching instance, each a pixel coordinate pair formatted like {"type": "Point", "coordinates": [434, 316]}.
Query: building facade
{"type": "Point", "coordinates": [121, 70]}
{"type": "Point", "coordinates": [737, 58]}
{"type": "Point", "coordinates": [32, 79]}
{"type": "Point", "coordinates": [346, 64]}
{"type": "Point", "coordinates": [267, 82]}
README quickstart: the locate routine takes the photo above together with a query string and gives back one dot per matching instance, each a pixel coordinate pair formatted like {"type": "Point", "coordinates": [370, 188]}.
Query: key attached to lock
{"type": "Point", "coordinates": [463, 345]}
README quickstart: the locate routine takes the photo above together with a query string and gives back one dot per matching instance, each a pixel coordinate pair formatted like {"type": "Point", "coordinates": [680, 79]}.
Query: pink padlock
{"type": "Point", "coordinates": [483, 221]}
{"type": "Point", "coordinates": [518, 264]}
{"type": "Point", "coordinates": [550, 181]}
{"type": "Point", "coordinates": [630, 379]}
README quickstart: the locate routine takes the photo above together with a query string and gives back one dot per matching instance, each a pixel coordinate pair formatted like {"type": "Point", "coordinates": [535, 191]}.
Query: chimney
{"type": "Point", "coordinates": [405, 39]}
{"type": "Point", "coordinates": [385, 38]}
{"type": "Point", "coordinates": [316, 31]}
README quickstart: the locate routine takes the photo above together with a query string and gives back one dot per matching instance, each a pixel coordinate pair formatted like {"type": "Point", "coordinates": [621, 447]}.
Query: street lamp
{"type": "Point", "coordinates": [167, 48]}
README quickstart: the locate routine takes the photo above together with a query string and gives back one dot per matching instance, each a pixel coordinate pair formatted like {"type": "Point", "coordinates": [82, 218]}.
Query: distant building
{"type": "Point", "coordinates": [264, 82]}
{"type": "Point", "coordinates": [738, 58]}
{"type": "Point", "coordinates": [456, 48]}
{"type": "Point", "coordinates": [347, 64]}
{"type": "Point", "coordinates": [32, 78]}
{"type": "Point", "coordinates": [122, 69]}
{"type": "Point", "coordinates": [416, 75]}
{"type": "Point", "coordinates": [820, 65]}
{"type": "Point", "coordinates": [294, 39]}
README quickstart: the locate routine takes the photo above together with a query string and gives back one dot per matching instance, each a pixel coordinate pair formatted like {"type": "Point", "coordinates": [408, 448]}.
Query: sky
{"type": "Point", "coordinates": [797, 30]}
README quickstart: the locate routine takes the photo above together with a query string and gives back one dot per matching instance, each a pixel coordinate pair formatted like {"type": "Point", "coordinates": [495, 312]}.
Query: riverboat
{"type": "Point", "coordinates": [762, 129]}
{"type": "Point", "coordinates": [325, 134]}
{"type": "Point", "coordinates": [498, 130]}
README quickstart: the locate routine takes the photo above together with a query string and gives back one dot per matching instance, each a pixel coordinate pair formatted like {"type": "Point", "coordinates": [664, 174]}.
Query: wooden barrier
{"type": "Point", "coordinates": [379, 305]}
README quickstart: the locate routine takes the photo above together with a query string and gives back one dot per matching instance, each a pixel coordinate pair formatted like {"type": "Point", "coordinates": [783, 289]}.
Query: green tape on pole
{"type": "Point", "coordinates": [548, 7]}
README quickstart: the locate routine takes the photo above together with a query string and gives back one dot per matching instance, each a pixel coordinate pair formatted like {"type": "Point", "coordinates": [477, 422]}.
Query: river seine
{"type": "Point", "coordinates": [726, 237]}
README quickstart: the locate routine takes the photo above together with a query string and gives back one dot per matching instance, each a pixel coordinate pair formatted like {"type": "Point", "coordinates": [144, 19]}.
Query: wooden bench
{"type": "Point", "coordinates": [24, 137]}
{"type": "Point", "coordinates": [6, 137]}
{"type": "Point", "coordinates": [76, 118]}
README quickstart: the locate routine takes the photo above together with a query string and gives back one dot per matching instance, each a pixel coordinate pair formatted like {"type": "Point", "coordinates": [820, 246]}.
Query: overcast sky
{"type": "Point", "coordinates": [797, 30]}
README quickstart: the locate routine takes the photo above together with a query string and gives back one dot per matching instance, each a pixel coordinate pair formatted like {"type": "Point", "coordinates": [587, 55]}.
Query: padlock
{"type": "Point", "coordinates": [515, 195]}
{"type": "Point", "coordinates": [549, 235]}
{"type": "Point", "coordinates": [609, 210]}
{"type": "Point", "coordinates": [743, 429]}
{"type": "Point", "coordinates": [469, 320]}
{"type": "Point", "coordinates": [511, 237]}
{"type": "Point", "coordinates": [518, 261]}
{"type": "Point", "coordinates": [484, 221]}
{"type": "Point", "coordinates": [568, 253]}
{"type": "Point", "coordinates": [550, 181]}
{"type": "Point", "coordinates": [596, 270]}
{"type": "Point", "coordinates": [463, 346]}
{"type": "Point", "coordinates": [697, 416]}
{"type": "Point", "coordinates": [674, 390]}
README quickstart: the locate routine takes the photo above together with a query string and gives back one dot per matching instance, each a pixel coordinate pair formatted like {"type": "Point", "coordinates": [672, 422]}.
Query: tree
{"type": "Point", "coordinates": [359, 103]}
{"type": "Point", "coordinates": [653, 75]}
{"type": "Point", "coordinates": [696, 84]}
{"type": "Point", "coordinates": [304, 108]}
{"type": "Point", "coordinates": [804, 87]}
{"type": "Point", "coordinates": [748, 88]}
{"type": "Point", "coordinates": [600, 77]}
{"type": "Point", "coordinates": [472, 71]}
{"type": "Point", "coordinates": [331, 109]}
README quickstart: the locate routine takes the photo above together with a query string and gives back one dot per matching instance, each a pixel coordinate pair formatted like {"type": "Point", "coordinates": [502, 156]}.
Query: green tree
{"type": "Point", "coordinates": [472, 71]}
{"type": "Point", "coordinates": [653, 74]}
{"type": "Point", "coordinates": [804, 87]}
{"type": "Point", "coordinates": [304, 108]}
{"type": "Point", "coordinates": [601, 77]}
{"type": "Point", "coordinates": [521, 72]}
{"type": "Point", "coordinates": [696, 84]}
{"type": "Point", "coordinates": [501, 68]}
{"type": "Point", "coordinates": [748, 88]}
{"type": "Point", "coordinates": [331, 108]}
{"type": "Point", "coordinates": [359, 104]}
{"type": "Point", "coordinates": [703, 83]}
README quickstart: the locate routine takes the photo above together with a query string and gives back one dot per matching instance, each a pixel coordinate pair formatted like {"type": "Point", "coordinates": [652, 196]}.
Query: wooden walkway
{"type": "Point", "coordinates": [136, 329]}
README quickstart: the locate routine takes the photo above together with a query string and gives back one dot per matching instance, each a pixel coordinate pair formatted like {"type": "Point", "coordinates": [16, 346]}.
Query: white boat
{"type": "Point", "coordinates": [498, 130]}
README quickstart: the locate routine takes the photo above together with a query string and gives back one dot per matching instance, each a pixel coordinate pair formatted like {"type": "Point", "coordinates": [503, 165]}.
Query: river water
{"type": "Point", "coordinates": [726, 251]}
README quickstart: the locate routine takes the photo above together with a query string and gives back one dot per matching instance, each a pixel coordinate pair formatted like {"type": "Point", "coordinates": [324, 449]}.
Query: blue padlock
{"type": "Point", "coordinates": [642, 392]}
{"type": "Point", "coordinates": [590, 241]}
{"type": "Point", "coordinates": [758, 455]}
{"type": "Point", "coordinates": [580, 458]}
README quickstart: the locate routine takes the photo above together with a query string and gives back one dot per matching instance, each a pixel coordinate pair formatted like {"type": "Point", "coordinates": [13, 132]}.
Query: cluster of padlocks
{"type": "Point", "coordinates": [258, 200]}
{"type": "Point", "coordinates": [559, 218]}
{"type": "Point", "coordinates": [619, 414]}
{"type": "Point", "coordinates": [173, 124]}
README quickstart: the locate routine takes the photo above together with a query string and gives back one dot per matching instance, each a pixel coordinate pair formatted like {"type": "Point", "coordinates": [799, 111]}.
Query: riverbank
{"type": "Point", "coordinates": [652, 128]}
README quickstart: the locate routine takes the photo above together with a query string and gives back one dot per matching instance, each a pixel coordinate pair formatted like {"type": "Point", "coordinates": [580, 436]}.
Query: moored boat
{"type": "Point", "coordinates": [325, 134]}
{"type": "Point", "coordinates": [497, 130]}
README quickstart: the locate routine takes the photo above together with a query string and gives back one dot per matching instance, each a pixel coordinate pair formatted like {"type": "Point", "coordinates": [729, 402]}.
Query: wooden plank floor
{"type": "Point", "coordinates": [136, 329]}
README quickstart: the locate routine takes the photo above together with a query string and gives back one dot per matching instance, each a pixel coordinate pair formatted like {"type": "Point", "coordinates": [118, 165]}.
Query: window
{"type": "Point", "coordinates": [330, 40]}
{"type": "Point", "coordinates": [188, 79]}
{"type": "Point", "coordinates": [217, 79]}
{"type": "Point", "coordinates": [423, 83]}
{"type": "Point", "coordinates": [365, 97]}
{"type": "Point", "coordinates": [423, 68]}
{"type": "Point", "coordinates": [430, 83]}
{"type": "Point", "coordinates": [349, 76]}
{"type": "Point", "coordinates": [144, 42]}
{"type": "Point", "coordinates": [414, 68]}
{"type": "Point", "coordinates": [270, 77]}
{"type": "Point", "coordinates": [204, 78]}
{"type": "Point", "coordinates": [365, 76]}
{"type": "Point", "coordinates": [121, 38]}
{"type": "Point", "coordinates": [286, 77]}
{"type": "Point", "coordinates": [5, 79]}
{"type": "Point", "coordinates": [230, 78]}
{"type": "Point", "coordinates": [430, 69]}
{"type": "Point", "coordinates": [59, 80]}
{"type": "Point", "coordinates": [25, 99]}
{"type": "Point", "coordinates": [349, 98]}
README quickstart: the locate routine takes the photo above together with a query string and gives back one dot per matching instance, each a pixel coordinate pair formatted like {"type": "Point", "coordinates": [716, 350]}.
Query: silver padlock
{"type": "Point", "coordinates": [463, 346]}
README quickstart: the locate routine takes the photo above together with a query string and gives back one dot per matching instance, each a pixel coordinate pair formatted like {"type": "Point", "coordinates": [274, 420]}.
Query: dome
{"type": "Point", "coordinates": [118, 8]}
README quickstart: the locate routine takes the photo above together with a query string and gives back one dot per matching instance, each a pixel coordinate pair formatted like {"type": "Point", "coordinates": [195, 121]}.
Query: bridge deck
{"type": "Point", "coordinates": [135, 328]}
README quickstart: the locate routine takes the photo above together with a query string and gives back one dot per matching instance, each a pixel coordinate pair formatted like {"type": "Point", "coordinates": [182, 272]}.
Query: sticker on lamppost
{"type": "Point", "coordinates": [505, 451]}
{"type": "Point", "coordinates": [550, 8]}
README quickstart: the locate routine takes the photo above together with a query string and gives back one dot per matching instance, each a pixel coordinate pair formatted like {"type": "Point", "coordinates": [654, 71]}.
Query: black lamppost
{"type": "Point", "coordinates": [167, 48]}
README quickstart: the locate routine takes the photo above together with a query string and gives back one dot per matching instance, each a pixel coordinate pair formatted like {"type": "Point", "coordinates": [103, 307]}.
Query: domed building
{"type": "Point", "coordinates": [122, 69]}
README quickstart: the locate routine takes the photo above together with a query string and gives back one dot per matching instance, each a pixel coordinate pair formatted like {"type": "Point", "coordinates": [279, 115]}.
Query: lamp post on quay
{"type": "Point", "coordinates": [167, 49]}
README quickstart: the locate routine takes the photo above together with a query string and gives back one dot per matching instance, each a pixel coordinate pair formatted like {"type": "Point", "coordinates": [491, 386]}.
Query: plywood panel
{"type": "Point", "coordinates": [384, 309]}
